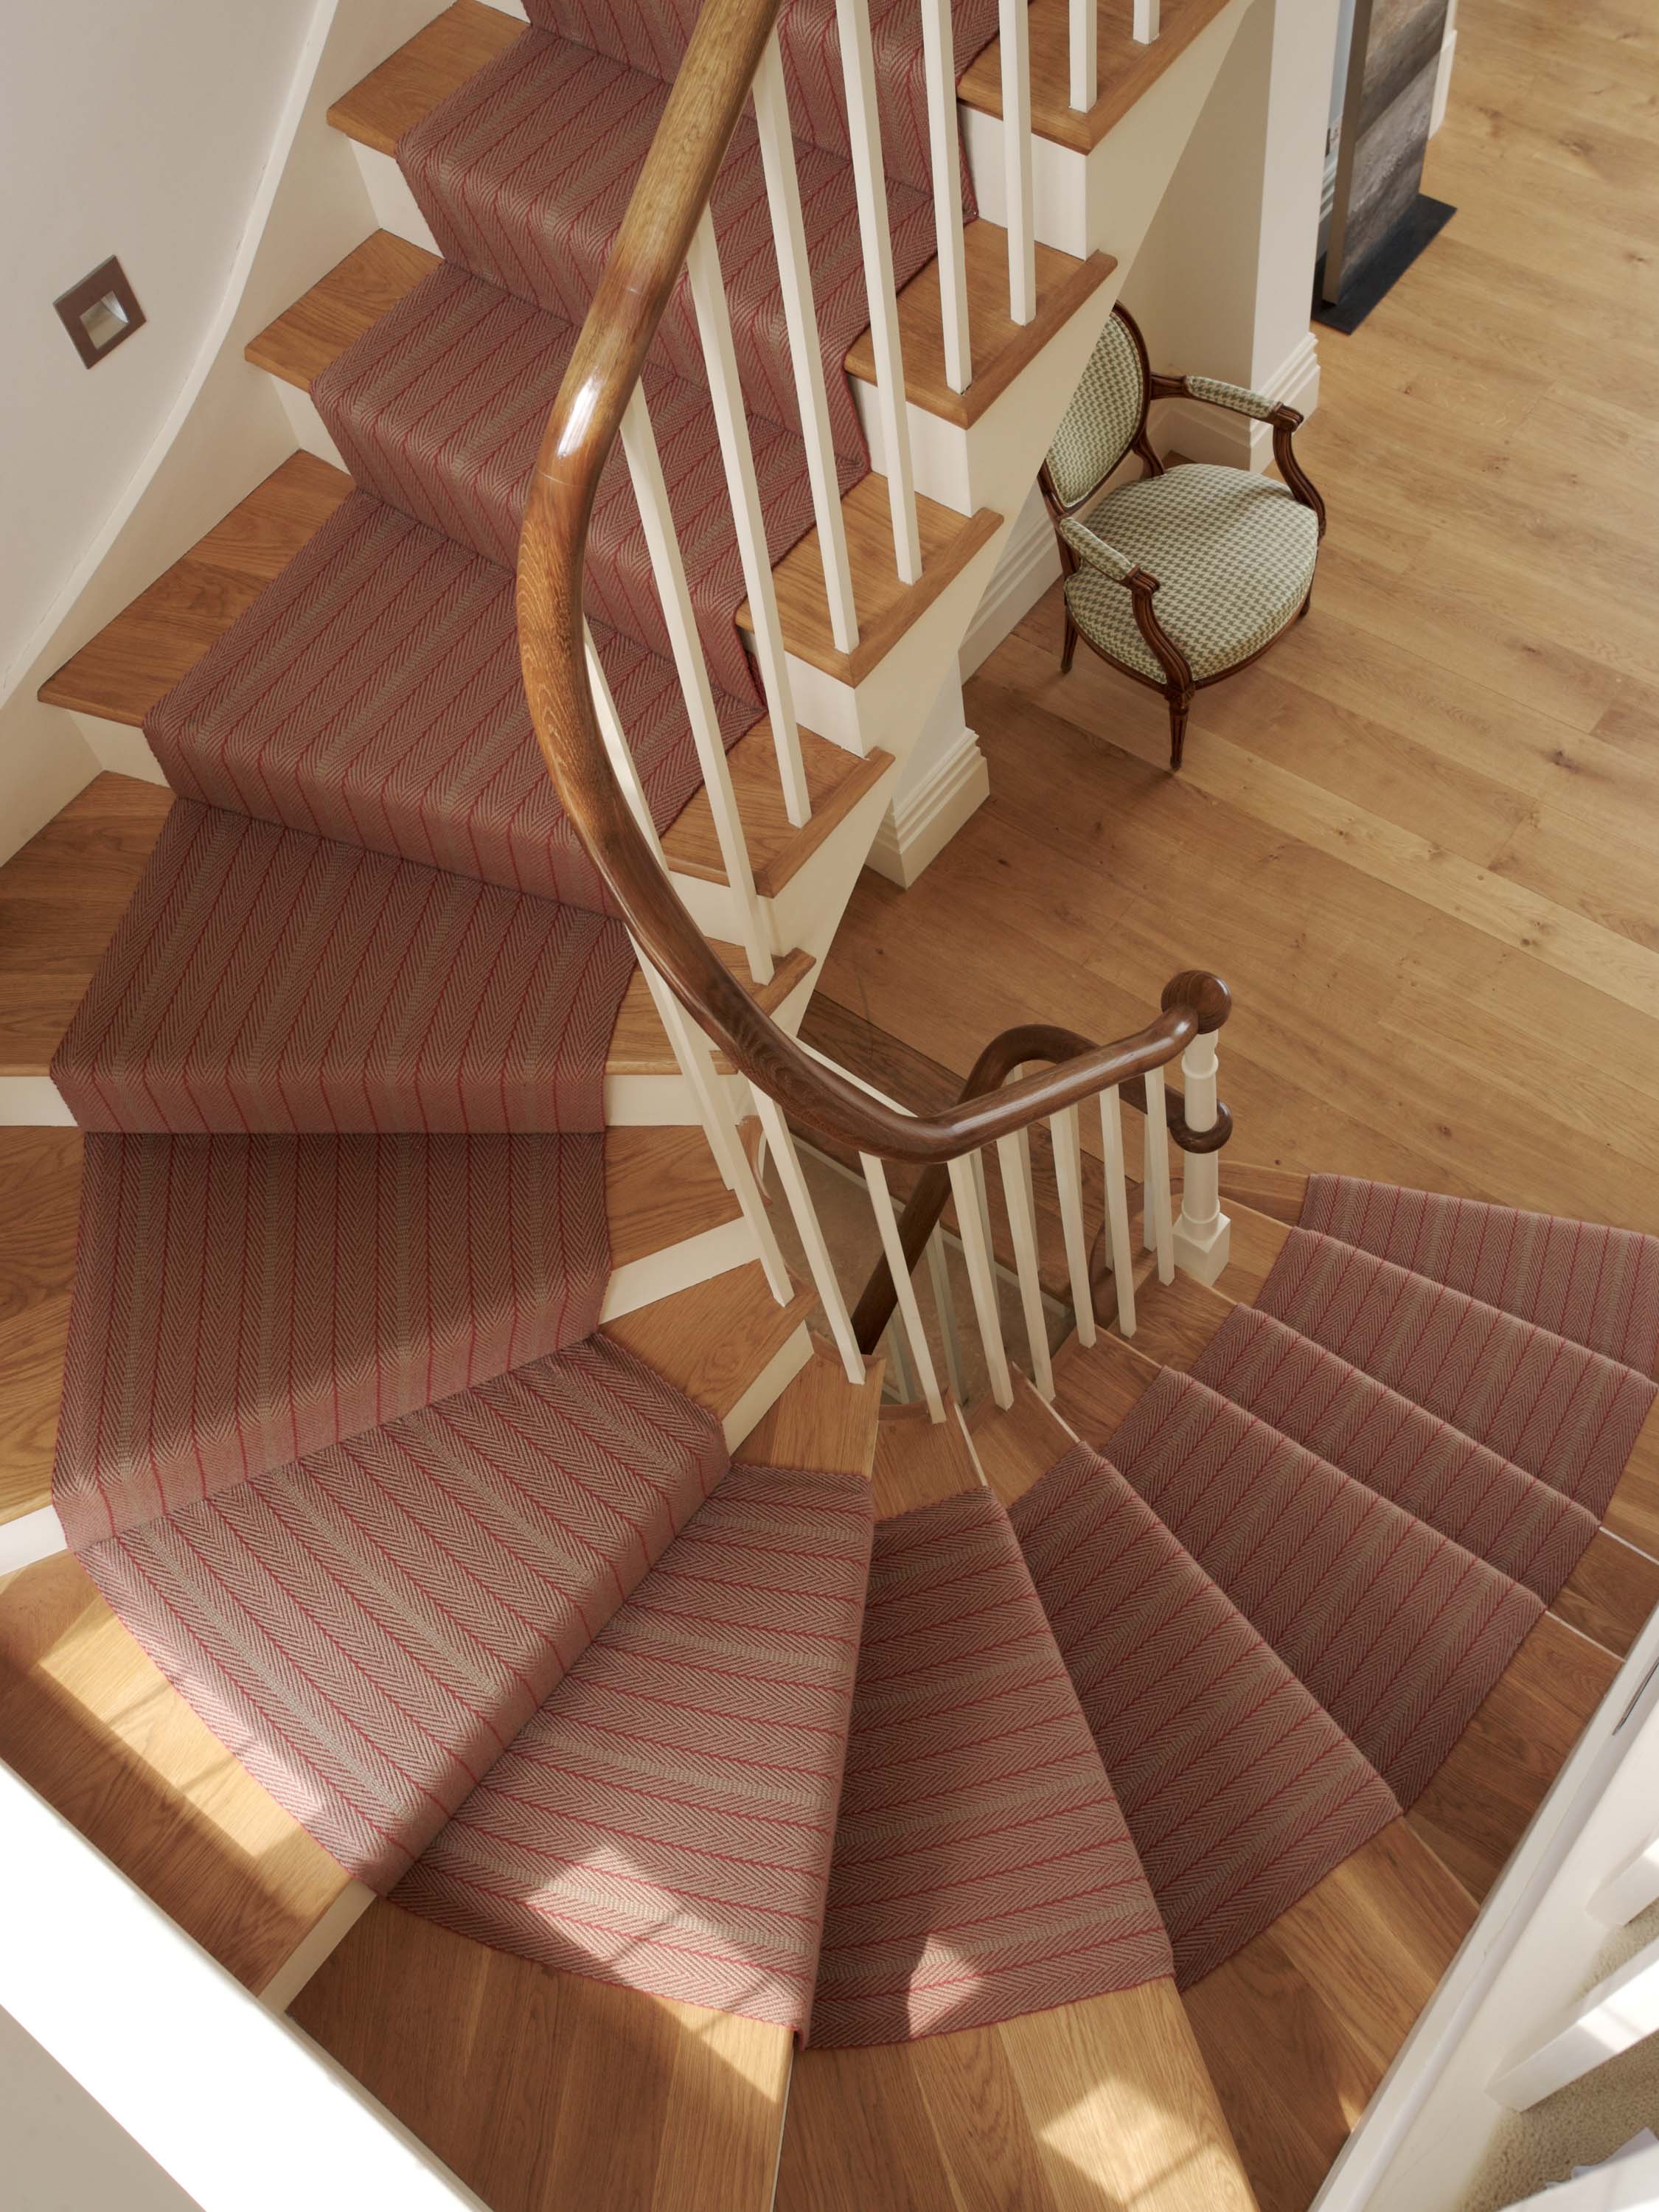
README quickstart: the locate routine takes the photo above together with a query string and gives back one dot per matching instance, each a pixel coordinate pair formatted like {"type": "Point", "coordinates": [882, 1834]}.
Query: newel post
{"type": "Point", "coordinates": [1202, 1231]}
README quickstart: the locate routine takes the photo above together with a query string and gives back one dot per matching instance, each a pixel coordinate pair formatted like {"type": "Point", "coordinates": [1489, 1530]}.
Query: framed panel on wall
{"type": "Point", "coordinates": [1380, 218]}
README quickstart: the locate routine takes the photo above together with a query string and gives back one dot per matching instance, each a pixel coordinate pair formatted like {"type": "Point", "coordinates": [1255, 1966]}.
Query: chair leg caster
{"type": "Point", "coordinates": [1178, 712]}
{"type": "Point", "coordinates": [1068, 648]}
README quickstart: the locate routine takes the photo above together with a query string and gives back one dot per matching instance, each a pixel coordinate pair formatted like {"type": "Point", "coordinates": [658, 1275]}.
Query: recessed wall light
{"type": "Point", "coordinates": [99, 312]}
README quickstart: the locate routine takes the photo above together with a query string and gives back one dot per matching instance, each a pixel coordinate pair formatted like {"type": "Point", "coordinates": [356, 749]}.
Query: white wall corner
{"type": "Point", "coordinates": [1199, 432]}
{"type": "Point", "coordinates": [1029, 563]}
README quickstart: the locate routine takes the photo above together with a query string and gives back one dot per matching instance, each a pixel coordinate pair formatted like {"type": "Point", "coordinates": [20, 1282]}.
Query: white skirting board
{"type": "Point", "coordinates": [921, 821]}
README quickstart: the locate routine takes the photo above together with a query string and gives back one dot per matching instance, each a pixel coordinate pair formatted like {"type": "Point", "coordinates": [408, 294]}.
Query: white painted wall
{"type": "Point", "coordinates": [141, 130]}
{"type": "Point", "coordinates": [62, 2152]}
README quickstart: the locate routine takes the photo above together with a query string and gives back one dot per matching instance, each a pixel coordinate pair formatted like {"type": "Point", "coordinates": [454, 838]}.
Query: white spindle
{"type": "Point", "coordinates": [1618, 2012]}
{"type": "Point", "coordinates": [982, 1276]}
{"type": "Point", "coordinates": [944, 1305]}
{"type": "Point", "coordinates": [898, 1360]}
{"type": "Point", "coordinates": [651, 492]}
{"type": "Point", "coordinates": [892, 1244]}
{"type": "Point", "coordinates": [725, 394]}
{"type": "Point", "coordinates": [1631, 1890]}
{"type": "Point", "coordinates": [777, 147]}
{"type": "Point", "coordinates": [1014, 24]}
{"type": "Point", "coordinates": [859, 77]}
{"type": "Point", "coordinates": [695, 1056]}
{"type": "Point", "coordinates": [1068, 1176]}
{"type": "Point", "coordinates": [819, 1264]}
{"type": "Point", "coordinates": [1202, 1235]}
{"type": "Point", "coordinates": [623, 765]}
{"type": "Point", "coordinates": [1084, 53]}
{"type": "Point", "coordinates": [1145, 22]}
{"type": "Point", "coordinates": [939, 60]}
{"type": "Point", "coordinates": [1117, 1210]}
{"type": "Point", "coordinates": [1022, 1226]}
{"type": "Point", "coordinates": [1155, 1186]}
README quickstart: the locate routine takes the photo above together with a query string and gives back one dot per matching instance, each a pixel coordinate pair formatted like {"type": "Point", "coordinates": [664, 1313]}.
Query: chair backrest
{"type": "Point", "coordinates": [1107, 411]}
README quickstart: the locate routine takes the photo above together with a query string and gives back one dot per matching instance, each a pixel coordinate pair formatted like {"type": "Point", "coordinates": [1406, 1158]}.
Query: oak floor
{"type": "Point", "coordinates": [1420, 840]}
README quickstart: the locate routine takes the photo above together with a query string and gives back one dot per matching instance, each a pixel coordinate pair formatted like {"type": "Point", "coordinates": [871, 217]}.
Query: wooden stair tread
{"type": "Point", "coordinates": [409, 84]}
{"type": "Point", "coordinates": [39, 1206]}
{"type": "Point", "coordinates": [1105, 2103]}
{"type": "Point", "coordinates": [837, 781]}
{"type": "Point", "coordinates": [137, 658]}
{"type": "Point", "coordinates": [1126, 72]}
{"type": "Point", "coordinates": [313, 334]}
{"type": "Point", "coordinates": [639, 1044]}
{"type": "Point", "coordinates": [1017, 1445]}
{"type": "Point", "coordinates": [999, 349]}
{"type": "Point", "coordinates": [821, 1421]}
{"type": "Point", "coordinates": [596, 2095]}
{"type": "Point", "coordinates": [1298, 2027]}
{"type": "Point", "coordinates": [60, 897]}
{"type": "Point", "coordinates": [714, 1339]}
{"type": "Point", "coordinates": [1277, 1191]}
{"type": "Point", "coordinates": [1476, 1809]}
{"type": "Point", "coordinates": [920, 1461]}
{"type": "Point", "coordinates": [87, 1721]}
{"type": "Point", "coordinates": [886, 606]}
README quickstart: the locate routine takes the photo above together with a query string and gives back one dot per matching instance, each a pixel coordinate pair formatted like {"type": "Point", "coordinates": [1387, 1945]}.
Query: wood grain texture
{"type": "Point", "coordinates": [1474, 1811]}
{"type": "Point", "coordinates": [714, 1339]}
{"type": "Point", "coordinates": [639, 1044]}
{"type": "Point", "coordinates": [1127, 72]}
{"type": "Point", "coordinates": [90, 1724]}
{"type": "Point", "coordinates": [919, 1461]}
{"type": "Point", "coordinates": [547, 2092]}
{"type": "Point", "coordinates": [39, 1204]}
{"type": "Point", "coordinates": [1633, 1512]}
{"type": "Point", "coordinates": [409, 84]}
{"type": "Point", "coordinates": [821, 1421]}
{"type": "Point", "coordinates": [998, 348]}
{"type": "Point", "coordinates": [1279, 1192]}
{"type": "Point", "coordinates": [1095, 2106]}
{"type": "Point", "coordinates": [1019, 1445]}
{"type": "Point", "coordinates": [339, 307]}
{"type": "Point", "coordinates": [661, 1186]}
{"type": "Point", "coordinates": [119, 674]}
{"type": "Point", "coordinates": [1257, 1241]}
{"type": "Point", "coordinates": [1299, 2026]}
{"type": "Point", "coordinates": [886, 606]}
{"type": "Point", "coordinates": [61, 896]}
{"type": "Point", "coordinates": [836, 781]}
{"type": "Point", "coordinates": [1610, 1594]}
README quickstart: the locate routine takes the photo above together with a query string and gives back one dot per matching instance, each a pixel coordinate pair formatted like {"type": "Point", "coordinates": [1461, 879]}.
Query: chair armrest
{"type": "Point", "coordinates": [1094, 552]}
{"type": "Point", "coordinates": [1233, 397]}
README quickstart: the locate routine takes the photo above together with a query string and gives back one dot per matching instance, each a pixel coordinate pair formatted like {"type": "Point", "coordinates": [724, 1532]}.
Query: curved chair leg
{"type": "Point", "coordinates": [1178, 712]}
{"type": "Point", "coordinates": [1069, 649]}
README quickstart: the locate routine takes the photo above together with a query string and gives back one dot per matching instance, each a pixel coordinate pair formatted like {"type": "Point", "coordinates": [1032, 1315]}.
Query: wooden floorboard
{"type": "Point", "coordinates": [1299, 2026]}
{"type": "Point", "coordinates": [40, 1206]}
{"type": "Point", "coordinates": [821, 1421]}
{"type": "Point", "coordinates": [919, 1461]}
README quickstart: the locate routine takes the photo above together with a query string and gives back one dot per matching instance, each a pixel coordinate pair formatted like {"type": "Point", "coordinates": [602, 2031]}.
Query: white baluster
{"type": "Point", "coordinates": [939, 60]}
{"type": "Point", "coordinates": [1203, 1234]}
{"type": "Point", "coordinates": [859, 77]}
{"type": "Point", "coordinates": [777, 147]}
{"type": "Point", "coordinates": [1068, 1176]}
{"type": "Point", "coordinates": [1618, 2012]}
{"type": "Point", "coordinates": [1117, 1210]}
{"type": "Point", "coordinates": [1155, 1187]}
{"type": "Point", "coordinates": [623, 765]}
{"type": "Point", "coordinates": [892, 1244]}
{"type": "Point", "coordinates": [982, 1276]}
{"type": "Point", "coordinates": [1145, 22]}
{"type": "Point", "coordinates": [939, 1277]}
{"type": "Point", "coordinates": [695, 1056]}
{"type": "Point", "coordinates": [1015, 29]}
{"type": "Point", "coordinates": [1084, 54]}
{"type": "Point", "coordinates": [725, 394]}
{"type": "Point", "coordinates": [651, 492]}
{"type": "Point", "coordinates": [820, 1266]}
{"type": "Point", "coordinates": [1022, 1225]}
{"type": "Point", "coordinates": [892, 1344]}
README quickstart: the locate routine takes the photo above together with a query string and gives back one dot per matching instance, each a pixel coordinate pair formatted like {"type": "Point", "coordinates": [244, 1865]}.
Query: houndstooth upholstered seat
{"type": "Point", "coordinates": [1234, 555]}
{"type": "Point", "coordinates": [1187, 574]}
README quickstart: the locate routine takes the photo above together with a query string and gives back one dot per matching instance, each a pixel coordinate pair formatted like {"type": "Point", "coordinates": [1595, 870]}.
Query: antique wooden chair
{"type": "Point", "coordinates": [1228, 555]}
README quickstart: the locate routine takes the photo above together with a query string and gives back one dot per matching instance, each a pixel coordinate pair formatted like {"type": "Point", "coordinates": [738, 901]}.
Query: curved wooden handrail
{"type": "Point", "coordinates": [930, 1194]}
{"type": "Point", "coordinates": [644, 267]}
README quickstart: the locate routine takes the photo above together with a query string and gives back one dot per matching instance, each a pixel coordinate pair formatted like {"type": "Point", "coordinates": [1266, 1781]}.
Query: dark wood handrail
{"type": "Point", "coordinates": [931, 1193]}
{"type": "Point", "coordinates": [645, 264]}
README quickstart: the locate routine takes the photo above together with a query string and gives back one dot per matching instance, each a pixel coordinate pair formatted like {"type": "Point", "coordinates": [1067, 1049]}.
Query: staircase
{"type": "Point", "coordinates": [470, 1600]}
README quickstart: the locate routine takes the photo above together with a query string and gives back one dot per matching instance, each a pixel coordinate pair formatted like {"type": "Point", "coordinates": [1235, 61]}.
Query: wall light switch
{"type": "Point", "coordinates": [99, 312]}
